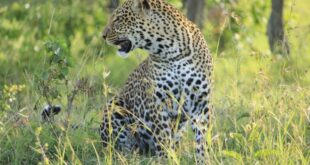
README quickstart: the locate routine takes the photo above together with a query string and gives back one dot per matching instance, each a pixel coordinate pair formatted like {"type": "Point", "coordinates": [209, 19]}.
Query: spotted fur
{"type": "Point", "coordinates": [168, 89]}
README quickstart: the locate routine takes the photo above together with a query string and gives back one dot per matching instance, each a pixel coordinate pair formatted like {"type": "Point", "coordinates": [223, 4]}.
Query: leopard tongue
{"type": "Point", "coordinates": [124, 48]}
{"type": "Point", "coordinates": [122, 54]}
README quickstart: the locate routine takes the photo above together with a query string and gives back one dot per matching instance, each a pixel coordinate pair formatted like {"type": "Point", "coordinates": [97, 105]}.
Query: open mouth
{"type": "Point", "coordinates": [123, 45]}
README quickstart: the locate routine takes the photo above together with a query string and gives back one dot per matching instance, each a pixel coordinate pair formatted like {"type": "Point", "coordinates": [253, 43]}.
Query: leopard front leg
{"type": "Point", "coordinates": [116, 130]}
{"type": "Point", "coordinates": [199, 124]}
{"type": "Point", "coordinates": [155, 134]}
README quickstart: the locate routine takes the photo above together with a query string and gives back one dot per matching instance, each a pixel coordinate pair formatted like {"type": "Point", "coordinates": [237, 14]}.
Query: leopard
{"type": "Point", "coordinates": [170, 88]}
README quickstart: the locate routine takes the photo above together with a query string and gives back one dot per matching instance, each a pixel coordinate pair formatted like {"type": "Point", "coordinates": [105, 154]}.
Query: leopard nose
{"type": "Point", "coordinates": [105, 33]}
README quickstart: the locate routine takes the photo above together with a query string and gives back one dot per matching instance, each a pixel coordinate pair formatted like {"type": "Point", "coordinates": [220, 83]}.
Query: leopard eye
{"type": "Point", "coordinates": [116, 23]}
{"type": "Point", "coordinates": [118, 26]}
{"type": "Point", "coordinates": [115, 19]}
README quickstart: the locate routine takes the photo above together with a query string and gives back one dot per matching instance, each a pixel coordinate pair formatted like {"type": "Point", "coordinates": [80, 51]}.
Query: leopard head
{"type": "Point", "coordinates": [145, 24]}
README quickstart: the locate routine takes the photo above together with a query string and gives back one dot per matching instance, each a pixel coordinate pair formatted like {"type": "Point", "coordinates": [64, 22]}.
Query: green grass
{"type": "Point", "coordinates": [261, 100]}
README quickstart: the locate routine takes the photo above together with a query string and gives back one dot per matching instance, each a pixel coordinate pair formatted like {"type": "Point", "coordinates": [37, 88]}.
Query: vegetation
{"type": "Point", "coordinates": [52, 52]}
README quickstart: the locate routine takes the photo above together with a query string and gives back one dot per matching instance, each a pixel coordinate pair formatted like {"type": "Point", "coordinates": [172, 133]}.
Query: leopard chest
{"type": "Point", "coordinates": [179, 85]}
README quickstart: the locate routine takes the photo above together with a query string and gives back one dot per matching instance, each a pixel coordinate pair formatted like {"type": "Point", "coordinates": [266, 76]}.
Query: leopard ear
{"type": "Point", "coordinates": [141, 6]}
